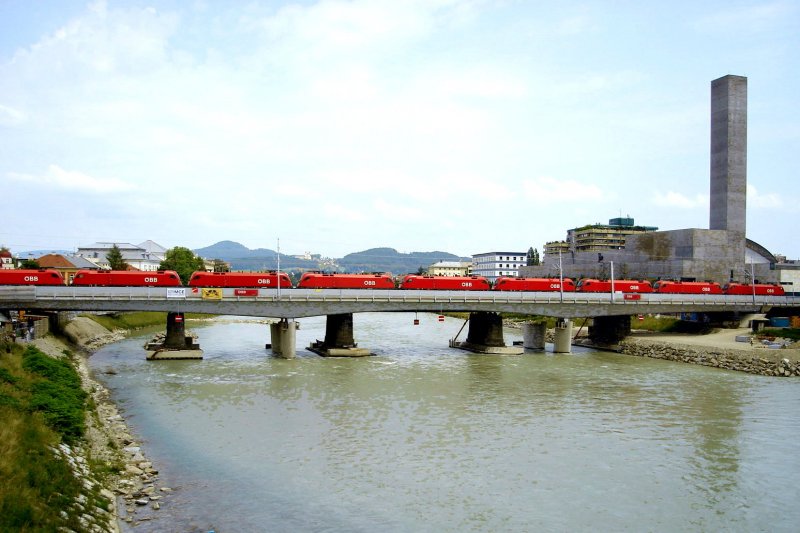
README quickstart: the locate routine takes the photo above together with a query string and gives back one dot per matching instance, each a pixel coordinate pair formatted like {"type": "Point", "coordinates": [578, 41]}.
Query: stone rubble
{"type": "Point", "coordinates": [739, 360]}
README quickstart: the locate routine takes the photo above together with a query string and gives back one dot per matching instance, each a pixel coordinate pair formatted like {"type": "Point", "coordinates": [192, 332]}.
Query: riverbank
{"type": "Point", "coordinates": [126, 474]}
{"type": "Point", "coordinates": [719, 349]}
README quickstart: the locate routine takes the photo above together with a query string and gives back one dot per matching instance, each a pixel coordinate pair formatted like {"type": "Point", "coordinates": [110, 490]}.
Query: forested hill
{"type": "Point", "coordinates": [373, 260]}
{"type": "Point", "coordinates": [390, 260]}
{"type": "Point", "coordinates": [243, 258]}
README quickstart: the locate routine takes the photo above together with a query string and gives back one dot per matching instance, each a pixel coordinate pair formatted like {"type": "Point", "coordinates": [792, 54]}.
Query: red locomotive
{"type": "Point", "coordinates": [687, 287]}
{"type": "Point", "coordinates": [44, 276]}
{"type": "Point", "coordinates": [534, 284]}
{"type": "Point", "coordinates": [127, 278]}
{"type": "Point", "coordinates": [620, 285]}
{"type": "Point", "coordinates": [240, 279]}
{"type": "Point", "coordinates": [324, 280]}
{"type": "Point", "coordinates": [759, 289]}
{"type": "Point", "coordinates": [445, 283]}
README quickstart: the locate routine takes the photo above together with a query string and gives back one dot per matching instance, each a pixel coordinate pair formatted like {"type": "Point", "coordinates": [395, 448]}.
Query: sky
{"type": "Point", "coordinates": [333, 126]}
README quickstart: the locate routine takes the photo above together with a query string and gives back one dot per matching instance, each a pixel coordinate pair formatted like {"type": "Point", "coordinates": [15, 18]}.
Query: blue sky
{"type": "Point", "coordinates": [463, 126]}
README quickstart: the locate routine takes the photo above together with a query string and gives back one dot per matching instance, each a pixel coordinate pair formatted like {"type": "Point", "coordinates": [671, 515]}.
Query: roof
{"type": "Point", "coordinates": [500, 253]}
{"type": "Point", "coordinates": [153, 247]}
{"type": "Point", "coordinates": [109, 246]}
{"type": "Point", "coordinates": [65, 261]}
{"type": "Point", "coordinates": [451, 264]}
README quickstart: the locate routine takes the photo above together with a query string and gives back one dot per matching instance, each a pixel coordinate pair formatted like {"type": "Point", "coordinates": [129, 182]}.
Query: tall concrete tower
{"type": "Point", "coordinates": [729, 154]}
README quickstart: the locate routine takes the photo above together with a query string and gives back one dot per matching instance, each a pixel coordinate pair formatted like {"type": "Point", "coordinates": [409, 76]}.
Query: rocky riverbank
{"type": "Point", "coordinates": [128, 477]}
{"type": "Point", "coordinates": [753, 362]}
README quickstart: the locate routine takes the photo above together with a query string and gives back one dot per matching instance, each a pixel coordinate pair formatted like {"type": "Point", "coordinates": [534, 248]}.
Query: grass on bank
{"type": "Point", "coordinates": [41, 405]}
{"type": "Point", "coordinates": [137, 320]}
{"type": "Point", "coordinates": [785, 333]}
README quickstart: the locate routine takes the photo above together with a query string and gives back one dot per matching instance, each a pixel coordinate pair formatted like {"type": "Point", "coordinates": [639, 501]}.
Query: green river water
{"type": "Point", "coordinates": [422, 437]}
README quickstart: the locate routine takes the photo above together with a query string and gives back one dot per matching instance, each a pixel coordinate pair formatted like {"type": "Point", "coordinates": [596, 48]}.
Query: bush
{"type": "Point", "coordinates": [58, 394]}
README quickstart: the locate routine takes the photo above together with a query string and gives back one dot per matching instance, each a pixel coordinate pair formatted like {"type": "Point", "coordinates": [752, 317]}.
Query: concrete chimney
{"type": "Point", "coordinates": [729, 154]}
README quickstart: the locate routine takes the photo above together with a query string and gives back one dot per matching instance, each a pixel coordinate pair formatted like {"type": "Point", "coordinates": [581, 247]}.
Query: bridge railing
{"type": "Point", "coordinates": [187, 294]}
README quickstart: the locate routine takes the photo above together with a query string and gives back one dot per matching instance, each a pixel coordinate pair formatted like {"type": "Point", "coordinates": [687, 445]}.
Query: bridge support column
{"type": "Point", "coordinates": [176, 344]}
{"type": "Point", "coordinates": [485, 335]}
{"type": "Point", "coordinates": [563, 336]}
{"type": "Point", "coordinates": [608, 330]}
{"type": "Point", "coordinates": [283, 335]}
{"type": "Point", "coordinates": [339, 340]}
{"type": "Point", "coordinates": [533, 335]}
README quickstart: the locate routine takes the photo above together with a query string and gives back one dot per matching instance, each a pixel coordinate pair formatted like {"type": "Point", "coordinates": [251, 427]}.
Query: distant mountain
{"type": "Point", "coordinates": [390, 260]}
{"type": "Point", "coordinates": [242, 258]}
{"type": "Point", "coordinates": [373, 260]}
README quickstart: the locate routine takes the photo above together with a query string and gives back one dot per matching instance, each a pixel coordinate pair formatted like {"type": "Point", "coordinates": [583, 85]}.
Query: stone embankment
{"type": "Point", "coordinates": [132, 482]}
{"type": "Point", "coordinates": [754, 361]}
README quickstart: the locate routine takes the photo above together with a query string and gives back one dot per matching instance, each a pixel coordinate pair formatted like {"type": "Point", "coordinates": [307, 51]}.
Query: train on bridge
{"type": "Point", "coordinates": [324, 280]}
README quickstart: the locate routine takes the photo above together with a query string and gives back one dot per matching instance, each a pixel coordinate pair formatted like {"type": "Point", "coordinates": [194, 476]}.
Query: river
{"type": "Point", "coordinates": [422, 437]}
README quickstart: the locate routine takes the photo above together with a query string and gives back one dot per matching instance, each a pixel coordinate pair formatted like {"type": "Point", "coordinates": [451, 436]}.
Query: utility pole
{"type": "Point", "coordinates": [279, 268]}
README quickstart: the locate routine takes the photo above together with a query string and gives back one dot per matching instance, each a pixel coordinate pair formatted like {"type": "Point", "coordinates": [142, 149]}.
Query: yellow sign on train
{"type": "Point", "coordinates": [212, 294]}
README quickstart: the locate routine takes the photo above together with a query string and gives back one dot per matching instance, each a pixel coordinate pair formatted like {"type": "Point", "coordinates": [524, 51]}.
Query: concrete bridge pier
{"type": "Point", "coordinates": [533, 335]}
{"type": "Point", "coordinates": [485, 335]}
{"type": "Point", "coordinates": [609, 330]}
{"type": "Point", "coordinates": [562, 343]}
{"type": "Point", "coordinates": [176, 344]}
{"type": "Point", "coordinates": [339, 340]}
{"type": "Point", "coordinates": [283, 335]}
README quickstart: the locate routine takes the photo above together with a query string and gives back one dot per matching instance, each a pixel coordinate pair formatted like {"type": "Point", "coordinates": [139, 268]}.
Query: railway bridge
{"type": "Point", "coordinates": [611, 311]}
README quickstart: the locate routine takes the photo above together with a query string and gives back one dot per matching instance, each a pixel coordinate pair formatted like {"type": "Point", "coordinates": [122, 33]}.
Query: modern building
{"type": "Point", "coordinates": [596, 238]}
{"type": "Point", "coordinates": [450, 268]}
{"type": "Point", "coordinates": [146, 256]}
{"type": "Point", "coordinates": [492, 265]}
{"type": "Point", "coordinates": [67, 265]}
{"type": "Point", "coordinates": [721, 253]}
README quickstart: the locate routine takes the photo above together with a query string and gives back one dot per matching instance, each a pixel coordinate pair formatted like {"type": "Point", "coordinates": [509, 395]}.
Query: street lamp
{"type": "Point", "coordinates": [560, 278]}
{"type": "Point", "coordinates": [612, 280]}
{"type": "Point", "coordinates": [279, 268]}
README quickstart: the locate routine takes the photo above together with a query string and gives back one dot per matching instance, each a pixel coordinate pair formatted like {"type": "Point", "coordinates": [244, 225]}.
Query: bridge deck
{"type": "Point", "coordinates": [298, 303]}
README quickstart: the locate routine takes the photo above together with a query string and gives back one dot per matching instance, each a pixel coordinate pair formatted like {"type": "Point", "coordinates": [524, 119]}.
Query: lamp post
{"type": "Point", "coordinates": [753, 279]}
{"type": "Point", "coordinates": [279, 268]}
{"type": "Point", "coordinates": [560, 278]}
{"type": "Point", "coordinates": [612, 280]}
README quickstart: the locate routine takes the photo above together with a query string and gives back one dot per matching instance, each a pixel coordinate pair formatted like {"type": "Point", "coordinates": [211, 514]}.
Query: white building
{"type": "Point", "coordinates": [492, 265]}
{"type": "Point", "coordinates": [450, 268]}
{"type": "Point", "coordinates": [146, 256]}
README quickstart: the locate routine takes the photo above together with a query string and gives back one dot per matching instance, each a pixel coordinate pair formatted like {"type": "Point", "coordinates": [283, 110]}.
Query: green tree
{"type": "Point", "coordinates": [532, 258]}
{"type": "Point", "coordinates": [115, 260]}
{"type": "Point", "coordinates": [183, 261]}
{"type": "Point", "coordinates": [29, 263]}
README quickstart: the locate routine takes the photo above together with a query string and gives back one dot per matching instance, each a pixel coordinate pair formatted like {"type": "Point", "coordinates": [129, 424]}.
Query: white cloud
{"type": "Point", "coordinates": [676, 199]}
{"type": "Point", "coordinates": [10, 116]}
{"type": "Point", "coordinates": [339, 212]}
{"type": "Point", "coordinates": [748, 18]}
{"type": "Point", "coordinates": [550, 189]}
{"type": "Point", "coordinates": [73, 180]}
{"type": "Point", "coordinates": [394, 210]}
{"type": "Point", "coordinates": [765, 201]}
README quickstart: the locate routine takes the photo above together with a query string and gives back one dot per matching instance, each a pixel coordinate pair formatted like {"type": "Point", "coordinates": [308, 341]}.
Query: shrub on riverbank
{"type": "Point", "coordinates": [784, 333]}
{"type": "Point", "coordinates": [41, 405]}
